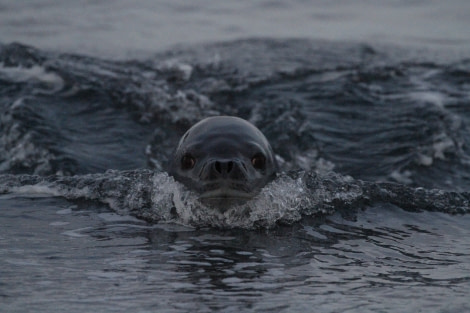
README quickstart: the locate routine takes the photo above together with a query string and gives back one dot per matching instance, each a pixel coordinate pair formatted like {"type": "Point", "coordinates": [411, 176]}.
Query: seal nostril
{"type": "Point", "coordinates": [218, 167]}
{"type": "Point", "coordinates": [223, 167]}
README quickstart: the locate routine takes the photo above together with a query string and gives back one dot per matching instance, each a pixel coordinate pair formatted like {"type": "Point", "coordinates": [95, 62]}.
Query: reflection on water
{"type": "Point", "coordinates": [74, 256]}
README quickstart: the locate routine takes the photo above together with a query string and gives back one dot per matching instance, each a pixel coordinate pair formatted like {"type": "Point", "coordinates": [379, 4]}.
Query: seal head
{"type": "Point", "coordinates": [224, 158]}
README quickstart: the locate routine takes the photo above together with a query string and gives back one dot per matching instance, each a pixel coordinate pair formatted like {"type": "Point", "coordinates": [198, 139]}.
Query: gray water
{"type": "Point", "coordinates": [56, 257]}
{"type": "Point", "coordinates": [376, 92]}
{"type": "Point", "coordinates": [123, 29]}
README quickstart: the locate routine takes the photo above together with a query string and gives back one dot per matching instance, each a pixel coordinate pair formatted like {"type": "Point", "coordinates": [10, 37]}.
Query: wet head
{"type": "Point", "coordinates": [225, 159]}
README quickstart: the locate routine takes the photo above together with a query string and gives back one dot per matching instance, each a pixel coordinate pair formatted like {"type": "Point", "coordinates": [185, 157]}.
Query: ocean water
{"type": "Point", "coordinates": [122, 29]}
{"type": "Point", "coordinates": [366, 106]}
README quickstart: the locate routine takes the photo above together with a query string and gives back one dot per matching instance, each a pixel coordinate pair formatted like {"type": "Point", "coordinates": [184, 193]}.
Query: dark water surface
{"type": "Point", "coordinates": [56, 256]}
{"type": "Point", "coordinates": [377, 114]}
{"type": "Point", "coordinates": [373, 140]}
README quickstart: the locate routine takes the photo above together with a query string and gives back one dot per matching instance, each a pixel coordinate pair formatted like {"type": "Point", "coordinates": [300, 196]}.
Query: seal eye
{"type": "Point", "coordinates": [258, 161]}
{"type": "Point", "coordinates": [187, 162]}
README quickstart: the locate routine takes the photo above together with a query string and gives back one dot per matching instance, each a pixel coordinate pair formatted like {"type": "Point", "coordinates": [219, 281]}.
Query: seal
{"type": "Point", "coordinates": [224, 158]}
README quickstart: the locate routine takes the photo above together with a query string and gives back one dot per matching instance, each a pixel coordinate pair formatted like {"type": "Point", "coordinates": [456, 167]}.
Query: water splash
{"type": "Point", "coordinates": [157, 197]}
{"type": "Point", "coordinates": [43, 81]}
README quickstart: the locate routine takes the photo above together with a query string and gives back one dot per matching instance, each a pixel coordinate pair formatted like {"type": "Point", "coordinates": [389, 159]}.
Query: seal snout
{"type": "Point", "coordinates": [217, 169]}
{"type": "Point", "coordinates": [223, 167]}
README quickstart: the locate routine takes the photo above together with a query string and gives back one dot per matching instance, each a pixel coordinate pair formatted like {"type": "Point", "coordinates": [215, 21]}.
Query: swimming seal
{"type": "Point", "coordinates": [223, 158]}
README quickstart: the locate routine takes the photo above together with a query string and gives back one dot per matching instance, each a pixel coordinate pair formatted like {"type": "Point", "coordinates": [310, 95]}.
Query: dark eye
{"type": "Point", "coordinates": [187, 162]}
{"type": "Point", "coordinates": [258, 161]}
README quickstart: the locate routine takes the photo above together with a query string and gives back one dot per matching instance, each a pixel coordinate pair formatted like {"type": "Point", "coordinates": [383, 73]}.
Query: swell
{"type": "Point", "coordinates": [375, 113]}
{"type": "Point", "coordinates": [156, 197]}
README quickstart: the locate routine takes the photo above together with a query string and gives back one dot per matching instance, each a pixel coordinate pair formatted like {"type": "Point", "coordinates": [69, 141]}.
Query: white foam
{"type": "Point", "coordinates": [425, 160]}
{"type": "Point", "coordinates": [282, 199]}
{"type": "Point", "coordinates": [435, 98]}
{"type": "Point", "coordinates": [306, 159]}
{"type": "Point", "coordinates": [76, 233]}
{"type": "Point", "coordinates": [285, 199]}
{"type": "Point", "coordinates": [441, 145]}
{"type": "Point", "coordinates": [182, 69]}
{"type": "Point", "coordinates": [66, 211]}
{"type": "Point", "coordinates": [402, 177]}
{"type": "Point", "coordinates": [36, 190]}
{"type": "Point", "coordinates": [36, 73]}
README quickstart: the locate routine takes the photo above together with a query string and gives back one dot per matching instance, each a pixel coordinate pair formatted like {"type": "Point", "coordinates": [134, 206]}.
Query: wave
{"type": "Point", "coordinates": [156, 197]}
{"type": "Point", "coordinates": [382, 115]}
